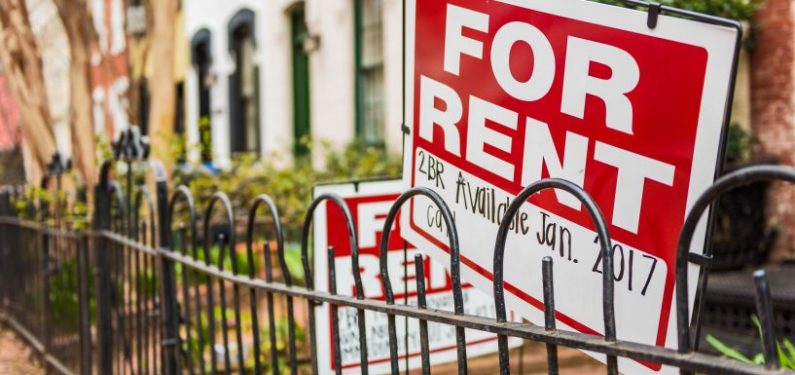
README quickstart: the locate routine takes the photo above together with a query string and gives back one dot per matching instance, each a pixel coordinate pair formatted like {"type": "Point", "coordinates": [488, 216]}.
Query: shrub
{"type": "Point", "coordinates": [741, 10]}
{"type": "Point", "coordinates": [290, 185]}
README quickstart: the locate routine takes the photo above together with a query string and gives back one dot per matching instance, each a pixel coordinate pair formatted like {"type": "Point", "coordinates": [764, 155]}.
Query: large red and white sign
{"type": "Point", "coordinates": [369, 203]}
{"type": "Point", "coordinates": [503, 93]}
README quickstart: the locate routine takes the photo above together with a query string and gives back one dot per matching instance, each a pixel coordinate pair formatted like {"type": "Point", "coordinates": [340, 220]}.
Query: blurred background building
{"type": "Point", "coordinates": [209, 81]}
{"type": "Point", "coordinates": [265, 77]}
{"type": "Point", "coordinates": [253, 77]}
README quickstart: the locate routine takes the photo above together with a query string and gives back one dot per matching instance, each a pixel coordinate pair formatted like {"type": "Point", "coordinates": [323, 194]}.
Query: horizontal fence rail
{"type": "Point", "coordinates": [165, 284]}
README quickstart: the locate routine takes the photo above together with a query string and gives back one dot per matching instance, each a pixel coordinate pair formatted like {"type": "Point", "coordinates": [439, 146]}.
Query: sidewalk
{"type": "Point", "coordinates": [535, 356]}
{"type": "Point", "coordinates": [15, 357]}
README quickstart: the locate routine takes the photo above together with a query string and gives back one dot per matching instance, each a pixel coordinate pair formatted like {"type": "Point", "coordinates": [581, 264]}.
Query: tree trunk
{"type": "Point", "coordinates": [161, 53]}
{"type": "Point", "coordinates": [20, 57]}
{"type": "Point", "coordinates": [78, 24]}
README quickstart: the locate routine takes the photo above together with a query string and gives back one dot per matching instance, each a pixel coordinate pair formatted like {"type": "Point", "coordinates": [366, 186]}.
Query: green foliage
{"type": "Point", "coordinates": [64, 298]}
{"type": "Point", "coordinates": [79, 216]}
{"type": "Point", "coordinates": [282, 327]}
{"type": "Point", "coordinates": [71, 213]}
{"type": "Point", "coordinates": [737, 144]}
{"type": "Point", "coordinates": [734, 9]}
{"type": "Point", "coordinates": [290, 184]}
{"type": "Point", "coordinates": [203, 331]}
{"type": "Point", "coordinates": [784, 348]}
{"type": "Point", "coordinates": [741, 10]}
{"type": "Point", "coordinates": [103, 148]}
{"type": "Point", "coordinates": [292, 257]}
{"type": "Point", "coordinates": [215, 253]}
{"type": "Point", "coordinates": [148, 281]}
{"type": "Point", "coordinates": [205, 137]}
{"type": "Point", "coordinates": [32, 198]}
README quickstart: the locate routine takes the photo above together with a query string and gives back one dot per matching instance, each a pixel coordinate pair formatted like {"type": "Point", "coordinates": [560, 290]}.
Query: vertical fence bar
{"type": "Point", "coordinates": [549, 313]}
{"type": "Point", "coordinates": [208, 241]}
{"type": "Point", "coordinates": [210, 305]}
{"type": "Point", "coordinates": [419, 264]}
{"type": "Point", "coordinates": [113, 254]}
{"type": "Point", "coordinates": [45, 318]}
{"type": "Point", "coordinates": [170, 345]}
{"type": "Point", "coordinates": [764, 308]}
{"type": "Point", "coordinates": [335, 325]}
{"type": "Point", "coordinates": [455, 273]}
{"type": "Point", "coordinates": [103, 281]}
{"type": "Point", "coordinates": [606, 246]}
{"type": "Point", "coordinates": [222, 241]}
{"type": "Point", "coordinates": [236, 301]}
{"type": "Point", "coordinates": [140, 296]}
{"type": "Point", "coordinates": [84, 306]}
{"type": "Point", "coordinates": [271, 317]}
{"type": "Point", "coordinates": [310, 284]}
{"type": "Point", "coordinates": [254, 310]}
{"type": "Point", "coordinates": [5, 211]}
{"type": "Point", "coordinates": [252, 218]}
{"type": "Point", "coordinates": [150, 309]}
{"type": "Point", "coordinates": [128, 307]}
{"type": "Point", "coordinates": [183, 249]}
{"type": "Point", "coordinates": [189, 274]}
{"type": "Point", "coordinates": [44, 274]}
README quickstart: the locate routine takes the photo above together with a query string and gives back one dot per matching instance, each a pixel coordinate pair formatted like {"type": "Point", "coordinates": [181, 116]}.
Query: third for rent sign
{"type": "Point", "coordinates": [502, 93]}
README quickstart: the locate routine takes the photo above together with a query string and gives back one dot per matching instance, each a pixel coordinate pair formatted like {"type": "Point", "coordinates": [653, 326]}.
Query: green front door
{"type": "Point", "coordinates": [300, 82]}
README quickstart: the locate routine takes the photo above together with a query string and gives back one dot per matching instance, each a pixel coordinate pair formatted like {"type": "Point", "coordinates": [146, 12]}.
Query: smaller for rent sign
{"type": "Point", "coordinates": [503, 93]}
{"type": "Point", "coordinates": [369, 203]}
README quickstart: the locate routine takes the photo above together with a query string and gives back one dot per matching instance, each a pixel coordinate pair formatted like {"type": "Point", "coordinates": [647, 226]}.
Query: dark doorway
{"type": "Point", "coordinates": [244, 84]}
{"type": "Point", "coordinates": [202, 60]}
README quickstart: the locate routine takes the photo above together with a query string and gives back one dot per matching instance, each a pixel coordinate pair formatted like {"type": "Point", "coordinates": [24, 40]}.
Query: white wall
{"type": "Point", "coordinates": [277, 114]}
{"type": "Point", "coordinates": [332, 71]}
{"type": "Point", "coordinates": [393, 74]}
{"type": "Point", "coordinates": [332, 93]}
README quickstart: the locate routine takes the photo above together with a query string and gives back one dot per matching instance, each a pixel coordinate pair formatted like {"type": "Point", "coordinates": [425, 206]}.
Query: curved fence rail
{"type": "Point", "coordinates": [161, 284]}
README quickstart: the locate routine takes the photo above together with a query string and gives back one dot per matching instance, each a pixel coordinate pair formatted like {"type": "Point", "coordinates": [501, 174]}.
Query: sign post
{"type": "Point", "coordinates": [502, 93]}
{"type": "Point", "coordinates": [369, 203]}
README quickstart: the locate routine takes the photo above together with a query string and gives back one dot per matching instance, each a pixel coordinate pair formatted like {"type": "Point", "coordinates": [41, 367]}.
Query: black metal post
{"type": "Point", "coordinates": [50, 217]}
{"type": "Point", "coordinates": [45, 318]}
{"type": "Point", "coordinates": [102, 272]}
{"type": "Point", "coordinates": [764, 307]}
{"type": "Point", "coordinates": [84, 306]}
{"type": "Point", "coordinates": [5, 211]}
{"type": "Point", "coordinates": [168, 284]}
{"type": "Point", "coordinates": [549, 313]}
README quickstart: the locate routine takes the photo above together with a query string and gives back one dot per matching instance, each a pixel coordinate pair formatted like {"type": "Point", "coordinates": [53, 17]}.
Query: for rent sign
{"type": "Point", "coordinates": [502, 93]}
{"type": "Point", "coordinates": [369, 203]}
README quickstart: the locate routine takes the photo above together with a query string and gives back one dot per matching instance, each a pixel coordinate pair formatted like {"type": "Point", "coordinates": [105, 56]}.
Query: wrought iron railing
{"type": "Point", "coordinates": [152, 288]}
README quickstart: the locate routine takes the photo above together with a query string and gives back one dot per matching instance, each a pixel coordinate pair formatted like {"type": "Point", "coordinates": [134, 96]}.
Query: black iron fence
{"type": "Point", "coordinates": [161, 284]}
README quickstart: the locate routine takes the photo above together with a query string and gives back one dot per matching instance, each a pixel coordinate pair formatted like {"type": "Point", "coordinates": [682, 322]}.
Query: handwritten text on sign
{"type": "Point", "coordinates": [501, 94]}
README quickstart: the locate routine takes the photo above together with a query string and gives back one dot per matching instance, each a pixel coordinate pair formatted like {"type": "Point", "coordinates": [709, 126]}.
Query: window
{"type": "Point", "coordinates": [300, 56]}
{"type": "Point", "coordinates": [369, 47]}
{"type": "Point", "coordinates": [244, 84]}
{"type": "Point", "coordinates": [202, 60]}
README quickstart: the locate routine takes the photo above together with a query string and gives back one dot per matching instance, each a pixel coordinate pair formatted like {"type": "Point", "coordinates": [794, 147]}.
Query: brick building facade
{"type": "Point", "coordinates": [773, 109]}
